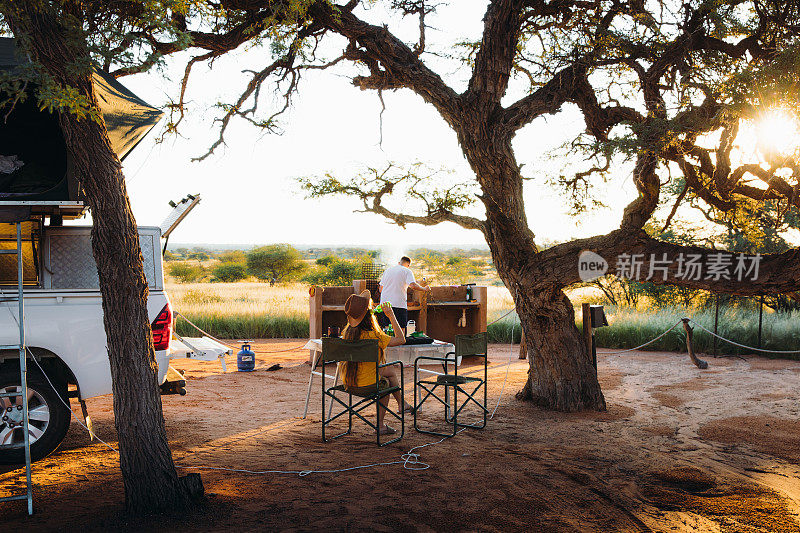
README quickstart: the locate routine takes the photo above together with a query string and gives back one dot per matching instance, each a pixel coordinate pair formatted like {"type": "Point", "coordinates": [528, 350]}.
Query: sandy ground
{"type": "Point", "coordinates": [680, 449]}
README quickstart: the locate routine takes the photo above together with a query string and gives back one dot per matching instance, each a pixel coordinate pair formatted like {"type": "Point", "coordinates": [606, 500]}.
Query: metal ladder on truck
{"type": "Point", "coordinates": [23, 371]}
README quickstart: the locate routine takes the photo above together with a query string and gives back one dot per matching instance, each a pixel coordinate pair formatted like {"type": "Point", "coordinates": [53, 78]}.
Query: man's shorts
{"type": "Point", "coordinates": [401, 313]}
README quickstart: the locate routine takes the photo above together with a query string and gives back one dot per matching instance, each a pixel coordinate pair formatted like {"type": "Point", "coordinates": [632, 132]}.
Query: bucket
{"type": "Point", "coordinates": [246, 358]}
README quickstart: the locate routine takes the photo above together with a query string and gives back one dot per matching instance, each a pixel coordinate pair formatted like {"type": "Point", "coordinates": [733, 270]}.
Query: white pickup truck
{"type": "Point", "coordinates": [64, 330]}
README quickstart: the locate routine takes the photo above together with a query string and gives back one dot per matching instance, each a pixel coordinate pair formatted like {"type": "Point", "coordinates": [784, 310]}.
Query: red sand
{"type": "Point", "coordinates": [672, 453]}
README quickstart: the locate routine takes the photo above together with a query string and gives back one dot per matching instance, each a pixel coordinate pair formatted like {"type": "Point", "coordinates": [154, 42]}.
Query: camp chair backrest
{"type": "Point", "coordinates": [362, 351]}
{"type": "Point", "coordinates": [476, 344]}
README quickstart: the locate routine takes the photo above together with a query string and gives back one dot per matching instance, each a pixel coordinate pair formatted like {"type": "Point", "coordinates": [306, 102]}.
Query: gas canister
{"type": "Point", "coordinates": [246, 358]}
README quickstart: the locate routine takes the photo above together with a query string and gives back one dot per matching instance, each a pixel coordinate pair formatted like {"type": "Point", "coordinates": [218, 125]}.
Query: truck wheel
{"type": "Point", "coordinates": [48, 418]}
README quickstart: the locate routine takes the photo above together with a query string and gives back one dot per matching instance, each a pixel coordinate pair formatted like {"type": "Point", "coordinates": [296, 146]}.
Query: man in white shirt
{"type": "Point", "coordinates": [394, 288]}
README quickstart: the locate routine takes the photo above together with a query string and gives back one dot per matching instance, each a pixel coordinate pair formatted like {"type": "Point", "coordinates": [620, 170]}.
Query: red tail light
{"type": "Point", "coordinates": [162, 329]}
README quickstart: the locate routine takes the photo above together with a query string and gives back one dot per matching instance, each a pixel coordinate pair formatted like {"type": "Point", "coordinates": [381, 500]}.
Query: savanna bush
{"type": "Point", "coordinates": [185, 272]}
{"type": "Point", "coordinates": [229, 272]}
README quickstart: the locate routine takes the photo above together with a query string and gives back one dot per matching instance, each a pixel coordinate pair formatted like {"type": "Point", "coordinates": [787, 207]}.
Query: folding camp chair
{"type": "Point", "coordinates": [466, 346]}
{"type": "Point", "coordinates": [362, 351]}
{"type": "Point", "coordinates": [316, 361]}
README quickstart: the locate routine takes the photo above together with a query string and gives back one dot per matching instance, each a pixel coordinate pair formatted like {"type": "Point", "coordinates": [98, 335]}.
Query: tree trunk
{"type": "Point", "coordinates": [561, 374]}
{"type": "Point", "coordinates": [149, 475]}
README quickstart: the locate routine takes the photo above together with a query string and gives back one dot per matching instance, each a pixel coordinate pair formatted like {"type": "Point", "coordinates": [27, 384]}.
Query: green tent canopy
{"type": "Point", "coordinates": [34, 163]}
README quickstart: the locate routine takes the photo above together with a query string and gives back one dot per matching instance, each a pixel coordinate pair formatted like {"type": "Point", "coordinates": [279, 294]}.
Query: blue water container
{"type": "Point", "coordinates": [246, 358]}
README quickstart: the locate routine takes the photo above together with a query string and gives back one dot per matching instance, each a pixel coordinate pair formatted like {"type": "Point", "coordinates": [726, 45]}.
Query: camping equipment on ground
{"type": "Point", "coordinates": [405, 353]}
{"type": "Point", "coordinates": [361, 351]}
{"type": "Point", "coordinates": [246, 358]}
{"type": "Point", "coordinates": [466, 346]}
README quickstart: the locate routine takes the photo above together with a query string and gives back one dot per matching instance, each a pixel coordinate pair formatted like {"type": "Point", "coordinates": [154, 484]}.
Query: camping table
{"type": "Point", "coordinates": [406, 353]}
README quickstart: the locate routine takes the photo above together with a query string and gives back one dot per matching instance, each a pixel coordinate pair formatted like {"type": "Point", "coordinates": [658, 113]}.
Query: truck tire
{"type": "Point", "coordinates": [49, 417]}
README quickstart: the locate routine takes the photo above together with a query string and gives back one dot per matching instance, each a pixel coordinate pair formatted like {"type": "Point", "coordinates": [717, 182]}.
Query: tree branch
{"type": "Point", "coordinates": [495, 57]}
{"type": "Point", "coordinates": [374, 186]}
{"type": "Point", "coordinates": [398, 65]}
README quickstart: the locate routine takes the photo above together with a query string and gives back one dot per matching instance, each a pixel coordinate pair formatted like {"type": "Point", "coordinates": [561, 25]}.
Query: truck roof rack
{"type": "Point", "coordinates": [18, 210]}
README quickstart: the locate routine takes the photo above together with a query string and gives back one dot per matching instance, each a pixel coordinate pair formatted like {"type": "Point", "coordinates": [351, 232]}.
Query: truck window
{"type": "Point", "coordinates": [31, 235]}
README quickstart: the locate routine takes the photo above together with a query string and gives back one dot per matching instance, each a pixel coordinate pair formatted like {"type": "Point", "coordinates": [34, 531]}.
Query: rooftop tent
{"type": "Point", "coordinates": [34, 164]}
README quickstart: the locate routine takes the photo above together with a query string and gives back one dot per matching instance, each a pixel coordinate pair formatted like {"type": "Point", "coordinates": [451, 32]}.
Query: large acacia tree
{"type": "Point", "coordinates": [663, 85]}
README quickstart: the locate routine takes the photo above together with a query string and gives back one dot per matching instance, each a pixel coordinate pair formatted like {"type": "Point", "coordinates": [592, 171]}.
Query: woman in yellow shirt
{"type": "Point", "coordinates": [357, 377]}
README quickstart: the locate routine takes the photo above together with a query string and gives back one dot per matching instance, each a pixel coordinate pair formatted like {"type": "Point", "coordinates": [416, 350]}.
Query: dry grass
{"type": "Point", "coordinates": [253, 298]}
{"type": "Point", "coordinates": [256, 310]}
{"type": "Point", "coordinates": [243, 298]}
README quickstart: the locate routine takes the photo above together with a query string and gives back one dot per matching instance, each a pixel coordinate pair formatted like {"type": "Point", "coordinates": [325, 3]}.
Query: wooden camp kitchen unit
{"type": "Point", "coordinates": [442, 313]}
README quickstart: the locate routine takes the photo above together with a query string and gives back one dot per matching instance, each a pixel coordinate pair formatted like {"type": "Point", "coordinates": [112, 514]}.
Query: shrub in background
{"type": "Point", "coordinates": [229, 272]}
{"type": "Point", "coordinates": [232, 256]}
{"type": "Point", "coordinates": [185, 272]}
{"type": "Point", "coordinates": [333, 271]}
{"type": "Point", "coordinates": [327, 260]}
{"type": "Point", "coordinates": [280, 262]}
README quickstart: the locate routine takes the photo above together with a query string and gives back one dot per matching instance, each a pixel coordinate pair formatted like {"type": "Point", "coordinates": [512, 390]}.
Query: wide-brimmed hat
{"type": "Point", "coordinates": [356, 307]}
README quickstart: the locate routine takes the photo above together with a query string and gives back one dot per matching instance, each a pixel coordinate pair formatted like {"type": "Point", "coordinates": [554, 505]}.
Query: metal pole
{"type": "Point", "coordinates": [760, 317]}
{"type": "Point", "coordinates": [23, 366]}
{"type": "Point", "coordinates": [716, 322]}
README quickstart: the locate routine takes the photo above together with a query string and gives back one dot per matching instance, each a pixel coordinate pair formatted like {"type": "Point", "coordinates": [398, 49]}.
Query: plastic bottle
{"type": "Point", "coordinates": [411, 327]}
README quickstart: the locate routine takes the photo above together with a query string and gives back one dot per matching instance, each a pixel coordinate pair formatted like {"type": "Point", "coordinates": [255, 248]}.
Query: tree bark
{"type": "Point", "coordinates": [149, 475]}
{"type": "Point", "coordinates": [561, 374]}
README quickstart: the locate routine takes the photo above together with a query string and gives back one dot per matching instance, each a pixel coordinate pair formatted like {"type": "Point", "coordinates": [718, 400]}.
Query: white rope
{"type": "Point", "coordinates": [651, 341]}
{"type": "Point", "coordinates": [742, 345]}
{"type": "Point", "coordinates": [501, 318]}
{"type": "Point", "coordinates": [508, 366]}
{"type": "Point", "coordinates": [195, 326]}
{"type": "Point", "coordinates": [210, 336]}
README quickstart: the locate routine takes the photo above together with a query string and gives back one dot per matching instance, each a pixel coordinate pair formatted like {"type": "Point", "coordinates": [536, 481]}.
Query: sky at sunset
{"type": "Point", "coordinates": [249, 191]}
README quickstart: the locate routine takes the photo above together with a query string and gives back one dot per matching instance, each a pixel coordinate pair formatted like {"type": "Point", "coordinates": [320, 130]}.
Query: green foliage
{"type": "Point", "coordinates": [232, 256]}
{"type": "Point", "coordinates": [186, 272]}
{"type": "Point", "coordinates": [447, 268]}
{"type": "Point", "coordinates": [327, 260]}
{"type": "Point", "coordinates": [437, 193]}
{"type": "Point", "coordinates": [198, 256]}
{"type": "Point", "coordinates": [630, 328]}
{"type": "Point", "coordinates": [228, 272]}
{"type": "Point", "coordinates": [246, 326]}
{"type": "Point", "coordinates": [336, 272]}
{"type": "Point", "coordinates": [281, 262]}
{"type": "Point", "coordinates": [342, 272]}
